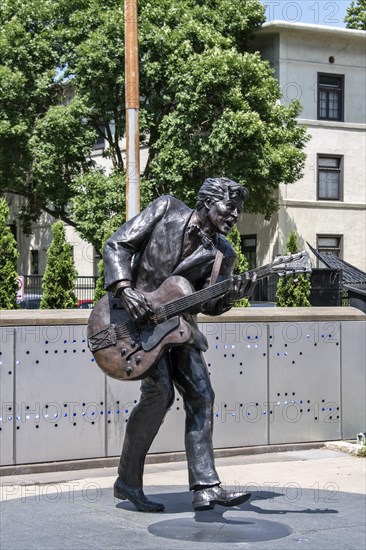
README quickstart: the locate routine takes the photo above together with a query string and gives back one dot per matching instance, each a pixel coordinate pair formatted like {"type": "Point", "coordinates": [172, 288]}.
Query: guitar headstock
{"type": "Point", "coordinates": [291, 264]}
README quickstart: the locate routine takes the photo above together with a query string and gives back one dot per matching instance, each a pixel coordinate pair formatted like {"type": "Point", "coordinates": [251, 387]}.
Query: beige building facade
{"type": "Point", "coordinates": [324, 68]}
{"type": "Point", "coordinates": [33, 248]}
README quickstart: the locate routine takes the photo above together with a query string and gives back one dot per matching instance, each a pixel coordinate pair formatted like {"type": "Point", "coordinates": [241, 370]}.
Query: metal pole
{"type": "Point", "coordinates": [132, 110]}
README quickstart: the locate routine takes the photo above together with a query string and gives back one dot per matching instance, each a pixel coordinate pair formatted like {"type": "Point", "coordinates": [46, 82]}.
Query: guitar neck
{"type": "Point", "coordinates": [187, 302]}
{"type": "Point", "coordinates": [201, 296]}
{"type": "Point", "coordinates": [261, 272]}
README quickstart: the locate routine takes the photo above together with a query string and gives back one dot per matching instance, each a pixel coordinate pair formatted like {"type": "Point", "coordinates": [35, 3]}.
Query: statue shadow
{"type": "Point", "coordinates": [250, 506]}
{"type": "Point", "coordinates": [219, 525]}
{"type": "Point", "coordinates": [181, 502]}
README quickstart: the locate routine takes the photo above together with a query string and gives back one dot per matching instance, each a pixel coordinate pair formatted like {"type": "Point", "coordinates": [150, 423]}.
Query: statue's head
{"type": "Point", "coordinates": [223, 199]}
{"type": "Point", "coordinates": [217, 188]}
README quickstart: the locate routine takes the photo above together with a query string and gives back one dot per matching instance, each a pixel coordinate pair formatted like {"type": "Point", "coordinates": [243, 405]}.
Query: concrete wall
{"type": "Point", "coordinates": [280, 376]}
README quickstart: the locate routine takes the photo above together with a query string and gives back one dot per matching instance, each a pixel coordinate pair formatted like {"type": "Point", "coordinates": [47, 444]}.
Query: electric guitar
{"type": "Point", "coordinates": [127, 349]}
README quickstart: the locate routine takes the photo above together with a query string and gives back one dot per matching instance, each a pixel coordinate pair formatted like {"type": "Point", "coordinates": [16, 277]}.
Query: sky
{"type": "Point", "coordinates": [319, 12]}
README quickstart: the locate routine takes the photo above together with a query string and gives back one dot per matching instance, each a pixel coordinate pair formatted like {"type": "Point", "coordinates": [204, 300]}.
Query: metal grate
{"type": "Point", "coordinates": [351, 274]}
{"type": "Point", "coordinates": [84, 286]}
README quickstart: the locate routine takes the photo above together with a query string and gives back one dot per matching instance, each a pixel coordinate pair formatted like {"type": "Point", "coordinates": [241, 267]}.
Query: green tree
{"type": "Point", "coordinates": [8, 261]}
{"type": "Point", "coordinates": [99, 205]}
{"type": "Point", "coordinates": [241, 261]}
{"type": "Point", "coordinates": [43, 140]}
{"type": "Point", "coordinates": [60, 274]}
{"type": "Point", "coordinates": [99, 287]}
{"type": "Point", "coordinates": [294, 290]}
{"type": "Point", "coordinates": [356, 15]}
{"type": "Point", "coordinates": [209, 105]}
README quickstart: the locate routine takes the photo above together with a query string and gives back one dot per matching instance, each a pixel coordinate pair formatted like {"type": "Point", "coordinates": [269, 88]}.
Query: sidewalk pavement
{"type": "Point", "coordinates": [313, 499]}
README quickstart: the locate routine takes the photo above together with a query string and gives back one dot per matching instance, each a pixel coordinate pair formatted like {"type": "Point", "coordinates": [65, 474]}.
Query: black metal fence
{"type": "Point", "coordinates": [84, 286]}
{"type": "Point", "coordinates": [326, 288]}
{"type": "Point", "coordinates": [356, 294]}
{"type": "Point", "coordinates": [265, 290]}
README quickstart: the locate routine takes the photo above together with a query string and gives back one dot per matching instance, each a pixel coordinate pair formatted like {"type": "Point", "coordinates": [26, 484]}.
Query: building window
{"type": "Point", "coordinates": [330, 244]}
{"type": "Point", "coordinates": [34, 262]}
{"type": "Point", "coordinates": [330, 178]}
{"type": "Point", "coordinates": [330, 97]}
{"type": "Point", "coordinates": [249, 248]}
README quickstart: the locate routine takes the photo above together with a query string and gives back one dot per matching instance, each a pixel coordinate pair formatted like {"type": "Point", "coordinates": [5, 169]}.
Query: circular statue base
{"type": "Point", "coordinates": [212, 527]}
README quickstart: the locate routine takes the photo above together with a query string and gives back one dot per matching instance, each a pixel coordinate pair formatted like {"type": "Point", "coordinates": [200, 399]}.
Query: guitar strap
{"type": "Point", "coordinates": [216, 267]}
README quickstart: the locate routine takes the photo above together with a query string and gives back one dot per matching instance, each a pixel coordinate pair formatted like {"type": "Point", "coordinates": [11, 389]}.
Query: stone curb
{"type": "Point", "coordinates": [158, 458]}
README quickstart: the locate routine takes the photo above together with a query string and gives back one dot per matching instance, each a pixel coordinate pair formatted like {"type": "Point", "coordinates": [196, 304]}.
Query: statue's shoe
{"type": "Point", "coordinates": [122, 491]}
{"type": "Point", "coordinates": [206, 499]}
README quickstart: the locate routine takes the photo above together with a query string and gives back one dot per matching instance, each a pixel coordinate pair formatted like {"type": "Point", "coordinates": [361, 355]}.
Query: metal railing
{"type": "Point", "coordinates": [84, 286]}
{"type": "Point", "coordinates": [326, 288]}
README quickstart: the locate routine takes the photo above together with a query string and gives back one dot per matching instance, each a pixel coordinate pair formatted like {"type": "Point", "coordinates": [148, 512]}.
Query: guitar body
{"type": "Point", "coordinates": [128, 349]}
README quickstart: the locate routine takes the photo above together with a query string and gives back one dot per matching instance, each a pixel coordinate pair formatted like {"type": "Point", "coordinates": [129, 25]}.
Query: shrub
{"type": "Point", "coordinates": [293, 290]}
{"type": "Point", "coordinates": [241, 261]}
{"type": "Point", "coordinates": [8, 261]}
{"type": "Point", "coordinates": [60, 274]}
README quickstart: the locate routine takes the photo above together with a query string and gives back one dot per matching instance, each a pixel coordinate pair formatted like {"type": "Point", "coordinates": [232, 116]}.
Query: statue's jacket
{"type": "Point", "coordinates": [147, 249]}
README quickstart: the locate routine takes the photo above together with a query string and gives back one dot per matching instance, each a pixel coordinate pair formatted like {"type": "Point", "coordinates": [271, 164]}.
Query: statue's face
{"type": "Point", "coordinates": [223, 214]}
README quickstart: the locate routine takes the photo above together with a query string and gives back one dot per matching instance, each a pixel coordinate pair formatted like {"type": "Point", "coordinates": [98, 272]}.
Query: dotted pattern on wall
{"type": "Point", "coordinates": [277, 383]}
{"type": "Point", "coordinates": [304, 382]}
{"type": "Point", "coordinates": [60, 410]}
{"type": "Point", "coordinates": [6, 395]}
{"type": "Point", "coordinates": [237, 363]}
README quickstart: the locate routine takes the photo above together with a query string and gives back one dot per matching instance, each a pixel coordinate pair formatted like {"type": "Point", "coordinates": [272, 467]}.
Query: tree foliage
{"type": "Point", "coordinates": [43, 142]}
{"type": "Point", "coordinates": [293, 290]}
{"type": "Point", "coordinates": [8, 261]}
{"type": "Point", "coordinates": [60, 274]}
{"type": "Point", "coordinates": [99, 287]}
{"type": "Point", "coordinates": [99, 205]}
{"type": "Point", "coordinates": [356, 15]}
{"type": "Point", "coordinates": [209, 105]}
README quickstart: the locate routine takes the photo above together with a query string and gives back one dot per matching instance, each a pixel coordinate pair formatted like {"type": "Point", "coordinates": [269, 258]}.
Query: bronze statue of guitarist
{"type": "Point", "coordinates": [169, 239]}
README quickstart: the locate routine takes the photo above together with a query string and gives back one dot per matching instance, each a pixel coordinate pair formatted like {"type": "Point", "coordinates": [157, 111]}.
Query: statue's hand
{"type": "Point", "coordinates": [240, 287]}
{"type": "Point", "coordinates": [135, 303]}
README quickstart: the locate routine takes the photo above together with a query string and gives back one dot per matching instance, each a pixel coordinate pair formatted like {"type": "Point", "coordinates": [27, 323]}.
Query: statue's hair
{"type": "Point", "coordinates": [216, 188]}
